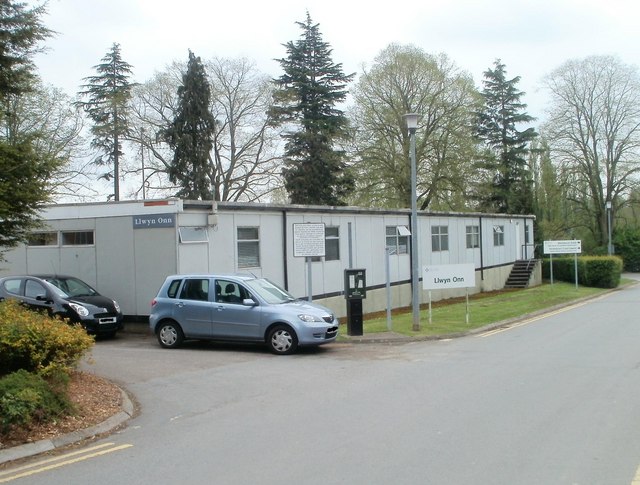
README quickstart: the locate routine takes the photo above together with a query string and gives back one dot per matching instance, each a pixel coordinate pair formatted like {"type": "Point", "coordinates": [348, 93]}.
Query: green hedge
{"type": "Point", "coordinates": [593, 271]}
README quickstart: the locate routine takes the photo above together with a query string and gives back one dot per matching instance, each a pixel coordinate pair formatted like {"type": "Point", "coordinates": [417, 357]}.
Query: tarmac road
{"type": "Point", "coordinates": [553, 399]}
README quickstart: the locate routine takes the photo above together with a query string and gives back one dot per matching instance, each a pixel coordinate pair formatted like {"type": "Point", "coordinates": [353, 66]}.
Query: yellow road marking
{"type": "Point", "coordinates": [55, 458]}
{"type": "Point", "coordinates": [636, 479]}
{"type": "Point", "coordinates": [43, 466]}
{"type": "Point", "coordinates": [535, 319]}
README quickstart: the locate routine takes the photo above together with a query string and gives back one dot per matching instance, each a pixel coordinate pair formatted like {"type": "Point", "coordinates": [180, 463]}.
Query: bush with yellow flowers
{"type": "Point", "coordinates": [37, 355]}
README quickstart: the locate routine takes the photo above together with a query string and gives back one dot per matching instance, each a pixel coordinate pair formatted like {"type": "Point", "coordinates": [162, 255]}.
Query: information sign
{"type": "Point", "coordinates": [308, 239]}
{"type": "Point", "coordinates": [569, 246]}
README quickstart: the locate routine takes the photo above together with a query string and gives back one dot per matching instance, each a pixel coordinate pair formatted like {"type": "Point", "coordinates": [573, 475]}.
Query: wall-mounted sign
{"type": "Point", "coordinates": [152, 221]}
{"type": "Point", "coordinates": [308, 239]}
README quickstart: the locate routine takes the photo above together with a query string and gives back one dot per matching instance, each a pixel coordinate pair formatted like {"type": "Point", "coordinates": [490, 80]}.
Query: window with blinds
{"type": "Point", "coordinates": [248, 247]}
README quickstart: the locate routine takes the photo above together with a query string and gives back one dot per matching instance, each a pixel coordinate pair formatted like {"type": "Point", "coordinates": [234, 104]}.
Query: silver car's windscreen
{"type": "Point", "coordinates": [268, 291]}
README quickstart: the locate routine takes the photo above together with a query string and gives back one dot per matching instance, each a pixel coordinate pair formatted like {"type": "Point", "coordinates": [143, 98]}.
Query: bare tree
{"type": "Point", "coordinates": [47, 116]}
{"type": "Point", "coordinates": [594, 134]}
{"type": "Point", "coordinates": [153, 106]}
{"type": "Point", "coordinates": [244, 161]}
{"type": "Point", "coordinates": [405, 79]}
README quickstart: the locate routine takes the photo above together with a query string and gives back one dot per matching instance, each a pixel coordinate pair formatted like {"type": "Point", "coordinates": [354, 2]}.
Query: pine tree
{"type": "Point", "coordinates": [24, 174]}
{"type": "Point", "coordinates": [21, 31]}
{"type": "Point", "coordinates": [510, 189]}
{"type": "Point", "coordinates": [109, 92]}
{"type": "Point", "coordinates": [191, 134]}
{"type": "Point", "coordinates": [312, 85]}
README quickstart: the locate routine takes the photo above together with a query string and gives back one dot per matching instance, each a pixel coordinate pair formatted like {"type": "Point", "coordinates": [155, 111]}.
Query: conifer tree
{"type": "Point", "coordinates": [312, 85]}
{"type": "Point", "coordinates": [108, 95]}
{"type": "Point", "coordinates": [24, 174]}
{"type": "Point", "coordinates": [191, 134]}
{"type": "Point", "coordinates": [510, 189]}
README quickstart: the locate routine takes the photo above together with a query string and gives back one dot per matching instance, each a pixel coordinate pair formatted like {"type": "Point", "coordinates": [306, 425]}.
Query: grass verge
{"type": "Point", "coordinates": [450, 316]}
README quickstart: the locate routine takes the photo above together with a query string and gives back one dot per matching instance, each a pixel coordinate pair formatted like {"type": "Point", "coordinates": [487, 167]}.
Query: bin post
{"type": "Point", "coordinates": [354, 317]}
{"type": "Point", "coordinates": [355, 289]}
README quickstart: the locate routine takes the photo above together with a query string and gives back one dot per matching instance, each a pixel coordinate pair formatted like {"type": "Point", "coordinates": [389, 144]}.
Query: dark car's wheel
{"type": "Point", "coordinates": [170, 335]}
{"type": "Point", "coordinates": [282, 340]}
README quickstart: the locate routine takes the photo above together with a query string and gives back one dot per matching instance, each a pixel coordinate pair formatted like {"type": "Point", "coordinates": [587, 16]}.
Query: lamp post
{"type": "Point", "coordinates": [609, 246]}
{"type": "Point", "coordinates": [412, 125]}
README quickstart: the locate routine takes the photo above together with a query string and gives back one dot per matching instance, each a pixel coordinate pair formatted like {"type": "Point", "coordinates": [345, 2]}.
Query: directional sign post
{"type": "Point", "coordinates": [568, 246]}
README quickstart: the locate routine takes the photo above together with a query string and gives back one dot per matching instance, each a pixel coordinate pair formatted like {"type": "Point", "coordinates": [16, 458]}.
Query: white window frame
{"type": "Point", "coordinates": [246, 243]}
{"type": "Point", "coordinates": [439, 238]}
{"type": "Point", "coordinates": [55, 241]}
{"type": "Point", "coordinates": [498, 235]}
{"type": "Point", "coordinates": [473, 236]}
{"type": "Point", "coordinates": [73, 243]}
{"type": "Point", "coordinates": [398, 239]}
{"type": "Point", "coordinates": [193, 234]}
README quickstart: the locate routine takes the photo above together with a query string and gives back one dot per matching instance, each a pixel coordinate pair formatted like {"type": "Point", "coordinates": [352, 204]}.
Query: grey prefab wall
{"type": "Point", "coordinates": [126, 249]}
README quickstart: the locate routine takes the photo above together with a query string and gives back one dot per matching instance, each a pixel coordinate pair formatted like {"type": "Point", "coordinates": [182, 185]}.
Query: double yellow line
{"type": "Point", "coordinates": [60, 461]}
{"type": "Point", "coordinates": [540, 317]}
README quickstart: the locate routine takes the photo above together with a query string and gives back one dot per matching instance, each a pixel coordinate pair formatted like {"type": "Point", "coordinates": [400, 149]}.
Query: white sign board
{"type": "Point", "coordinates": [308, 239]}
{"type": "Point", "coordinates": [569, 246]}
{"type": "Point", "coordinates": [448, 276]}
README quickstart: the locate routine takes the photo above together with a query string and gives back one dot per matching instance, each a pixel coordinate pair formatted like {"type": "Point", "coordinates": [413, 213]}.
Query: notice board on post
{"type": "Point", "coordinates": [308, 240]}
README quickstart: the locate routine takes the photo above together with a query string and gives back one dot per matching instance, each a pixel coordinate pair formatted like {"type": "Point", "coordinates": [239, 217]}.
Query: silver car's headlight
{"type": "Point", "coordinates": [79, 309]}
{"type": "Point", "coordinates": [309, 318]}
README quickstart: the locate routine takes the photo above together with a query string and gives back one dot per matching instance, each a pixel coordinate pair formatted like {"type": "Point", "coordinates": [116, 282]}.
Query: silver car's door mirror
{"type": "Point", "coordinates": [249, 302]}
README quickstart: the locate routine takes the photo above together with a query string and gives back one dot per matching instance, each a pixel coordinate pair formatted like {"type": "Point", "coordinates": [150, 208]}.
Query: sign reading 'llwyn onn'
{"type": "Point", "coordinates": [447, 276]}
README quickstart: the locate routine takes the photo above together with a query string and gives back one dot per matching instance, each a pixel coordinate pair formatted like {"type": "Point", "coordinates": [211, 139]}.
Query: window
{"type": "Point", "coordinates": [230, 292]}
{"type": "Point", "coordinates": [195, 289]}
{"type": "Point", "coordinates": [498, 235]}
{"type": "Point", "coordinates": [193, 234]}
{"type": "Point", "coordinates": [248, 247]}
{"type": "Point", "coordinates": [43, 239]}
{"type": "Point", "coordinates": [396, 244]}
{"type": "Point", "coordinates": [33, 289]}
{"type": "Point", "coordinates": [439, 238]}
{"type": "Point", "coordinates": [172, 292]}
{"type": "Point", "coordinates": [77, 238]}
{"type": "Point", "coordinates": [13, 286]}
{"type": "Point", "coordinates": [473, 237]}
{"type": "Point", "coordinates": [527, 238]}
{"type": "Point", "coordinates": [331, 243]}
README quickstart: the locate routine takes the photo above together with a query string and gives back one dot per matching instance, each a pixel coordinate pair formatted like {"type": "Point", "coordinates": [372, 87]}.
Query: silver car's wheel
{"type": "Point", "coordinates": [170, 335]}
{"type": "Point", "coordinates": [282, 340]}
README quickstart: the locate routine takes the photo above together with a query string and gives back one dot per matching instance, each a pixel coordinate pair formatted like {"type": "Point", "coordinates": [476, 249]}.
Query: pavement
{"type": "Point", "coordinates": [128, 409]}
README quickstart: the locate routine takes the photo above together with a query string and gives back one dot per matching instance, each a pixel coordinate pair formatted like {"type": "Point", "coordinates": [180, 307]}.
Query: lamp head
{"type": "Point", "coordinates": [412, 120]}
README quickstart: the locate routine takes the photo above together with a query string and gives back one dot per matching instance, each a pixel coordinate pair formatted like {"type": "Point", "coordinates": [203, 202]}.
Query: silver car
{"type": "Point", "coordinates": [237, 308]}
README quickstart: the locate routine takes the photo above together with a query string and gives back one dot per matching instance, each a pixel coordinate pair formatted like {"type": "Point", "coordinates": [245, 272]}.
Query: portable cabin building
{"type": "Point", "coordinates": [126, 249]}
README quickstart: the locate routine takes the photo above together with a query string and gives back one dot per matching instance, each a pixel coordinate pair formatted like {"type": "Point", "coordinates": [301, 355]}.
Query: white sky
{"type": "Point", "coordinates": [530, 37]}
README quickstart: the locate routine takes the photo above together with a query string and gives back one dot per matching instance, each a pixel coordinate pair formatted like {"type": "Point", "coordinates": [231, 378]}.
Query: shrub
{"type": "Point", "coordinates": [594, 271]}
{"type": "Point", "coordinates": [627, 245]}
{"type": "Point", "coordinates": [36, 342]}
{"type": "Point", "coordinates": [26, 398]}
